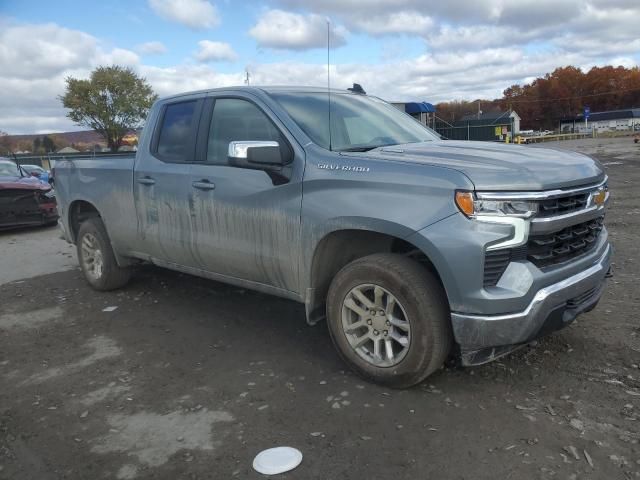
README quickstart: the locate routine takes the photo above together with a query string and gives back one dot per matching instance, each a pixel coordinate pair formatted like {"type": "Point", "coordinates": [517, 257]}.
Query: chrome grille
{"type": "Point", "coordinates": [562, 205]}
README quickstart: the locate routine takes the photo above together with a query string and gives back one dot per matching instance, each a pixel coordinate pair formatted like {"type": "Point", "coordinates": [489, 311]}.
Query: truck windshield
{"type": "Point", "coordinates": [358, 122]}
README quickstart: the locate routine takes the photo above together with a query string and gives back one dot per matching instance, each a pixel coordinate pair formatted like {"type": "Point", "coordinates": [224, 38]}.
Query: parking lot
{"type": "Point", "coordinates": [180, 377]}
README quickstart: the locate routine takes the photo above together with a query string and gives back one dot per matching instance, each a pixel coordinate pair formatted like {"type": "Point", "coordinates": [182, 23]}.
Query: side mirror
{"type": "Point", "coordinates": [256, 155]}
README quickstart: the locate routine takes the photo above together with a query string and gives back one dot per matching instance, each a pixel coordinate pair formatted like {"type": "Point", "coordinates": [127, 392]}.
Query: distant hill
{"type": "Point", "coordinates": [84, 140]}
{"type": "Point", "coordinates": [83, 136]}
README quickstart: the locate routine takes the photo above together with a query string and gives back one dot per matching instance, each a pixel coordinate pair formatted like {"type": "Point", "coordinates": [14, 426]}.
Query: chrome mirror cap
{"type": "Point", "coordinates": [240, 149]}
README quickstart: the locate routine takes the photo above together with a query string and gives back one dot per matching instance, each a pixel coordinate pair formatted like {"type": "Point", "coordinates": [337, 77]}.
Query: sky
{"type": "Point", "coordinates": [399, 50]}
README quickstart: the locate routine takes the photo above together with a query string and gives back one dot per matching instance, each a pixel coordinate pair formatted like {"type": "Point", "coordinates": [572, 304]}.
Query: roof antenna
{"type": "Point", "coordinates": [329, 77]}
{"type": "Point", "coordinates": [357, 88]}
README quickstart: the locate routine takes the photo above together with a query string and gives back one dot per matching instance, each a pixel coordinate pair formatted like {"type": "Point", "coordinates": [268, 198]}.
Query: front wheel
{"type": "Point", "coordinates": [96, 257]}
{"type": "Point", "coordinates": [389, 318]}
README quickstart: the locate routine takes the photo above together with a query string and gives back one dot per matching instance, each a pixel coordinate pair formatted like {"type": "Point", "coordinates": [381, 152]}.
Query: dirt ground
{"type": "Point", "coordinates": [188, 378]}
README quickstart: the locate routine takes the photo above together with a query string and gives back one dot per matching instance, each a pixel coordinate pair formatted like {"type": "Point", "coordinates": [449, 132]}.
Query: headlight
{"type": "Point", "coordinates": [472, 207]}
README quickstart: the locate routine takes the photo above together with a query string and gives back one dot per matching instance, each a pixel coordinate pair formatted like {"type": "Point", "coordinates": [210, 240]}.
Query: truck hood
{"type": "Point", "coordinates": [497, 166]}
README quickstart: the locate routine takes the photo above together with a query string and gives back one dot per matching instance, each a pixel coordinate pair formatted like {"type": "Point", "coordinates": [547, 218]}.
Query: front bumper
{"type": "Point", "coordinates": [27, 213]}
{"type": "Point", "coordinates": [483, 338]}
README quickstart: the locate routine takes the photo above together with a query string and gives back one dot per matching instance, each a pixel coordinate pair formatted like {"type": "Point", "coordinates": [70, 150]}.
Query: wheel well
{"type": "Point", "coordinates": [339, 248]}
{"type": "Point", "coordinates": [79, 211]}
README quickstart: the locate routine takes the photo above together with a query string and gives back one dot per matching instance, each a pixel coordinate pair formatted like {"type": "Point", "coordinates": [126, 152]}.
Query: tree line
{"type": "Point", "coordinates": [39, 145]}
{"type": "Point", "coordinates": [565, 92]}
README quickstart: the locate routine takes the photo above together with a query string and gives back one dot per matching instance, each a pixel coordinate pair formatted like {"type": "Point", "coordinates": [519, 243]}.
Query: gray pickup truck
{"type": "Point", "coordinates": [413, 248]}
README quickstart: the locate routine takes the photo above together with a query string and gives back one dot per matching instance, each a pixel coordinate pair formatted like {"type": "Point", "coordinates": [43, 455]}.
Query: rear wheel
{"type": "Point", "coordinates": [389, 319]}
{"type": "Point", "coordinates": [96, 257]}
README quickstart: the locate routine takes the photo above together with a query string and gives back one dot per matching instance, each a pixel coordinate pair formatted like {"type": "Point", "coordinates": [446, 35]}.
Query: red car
{"type": "Point", "coordinates": [24, 200]}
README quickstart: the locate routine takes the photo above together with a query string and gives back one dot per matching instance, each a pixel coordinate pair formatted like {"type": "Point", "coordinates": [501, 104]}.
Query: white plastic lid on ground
{"type": "Point", "coordinates": [277, 460]}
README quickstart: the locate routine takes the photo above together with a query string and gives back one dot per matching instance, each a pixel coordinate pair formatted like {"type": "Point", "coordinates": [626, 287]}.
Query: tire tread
{"type": "Point", "coordinates": [417, 279]}
{"type": "Point", "coordinates": [114, 276]}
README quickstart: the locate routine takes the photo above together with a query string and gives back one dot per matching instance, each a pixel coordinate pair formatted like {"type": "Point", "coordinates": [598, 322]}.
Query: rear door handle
{"type": "Point", "coordinates": [204, 185]}
{"type": "Point", "coordinates": [146, 181]}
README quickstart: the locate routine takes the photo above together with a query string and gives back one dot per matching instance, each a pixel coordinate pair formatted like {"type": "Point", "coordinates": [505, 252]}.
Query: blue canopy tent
{"type": "Point", "coordinates": [422, 111]}
{"type": "Point", "coordinates": [414, 108]}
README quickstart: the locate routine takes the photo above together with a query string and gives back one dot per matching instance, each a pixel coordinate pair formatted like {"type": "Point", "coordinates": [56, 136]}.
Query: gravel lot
{"type": "Point", "coordinates": [189, 378]}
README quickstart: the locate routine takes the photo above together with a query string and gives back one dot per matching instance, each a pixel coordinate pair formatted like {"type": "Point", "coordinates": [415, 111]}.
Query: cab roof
{"type": "Point", "coordinates": [271, 89]}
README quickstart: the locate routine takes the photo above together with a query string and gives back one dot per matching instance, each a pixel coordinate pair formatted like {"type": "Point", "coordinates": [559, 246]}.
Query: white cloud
{"type": "Point", "coordinates": [28, 51]}
{"type": "Point", "coordinates": [520, 12]}
{"type": "Point", "coordinates": [395, 23]}
{"type": "Point", "coordinates": [472, 25]}
{"type": "Point", "coordinates": [473, 37]}
{"type": "Point", "coordinates": [185, 78]}
{"type": "Point", "coordinates": [286, 30]}
{"type": "Point", "coordinates": [151, 48]}
{"type": "Point", "coordinates": [626, 62]}
{"type": "Point", "coordinates": [474, 58]}
{"type": "Point", "coordinates": [117, 56]}
{"type": "Point", "coordinates": [195, 14]}
{"type": "Point", "coordinates": [215, 52]}
{"type": "Point", "coordinates": [35, 59]}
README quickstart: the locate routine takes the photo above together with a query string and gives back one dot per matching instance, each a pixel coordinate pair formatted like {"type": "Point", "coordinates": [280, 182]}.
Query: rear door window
{"type": "Point", "coordinates": [175, 134]}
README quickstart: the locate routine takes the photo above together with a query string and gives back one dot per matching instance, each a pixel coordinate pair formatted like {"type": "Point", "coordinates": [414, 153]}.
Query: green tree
{"type": "Point", "coordinates": [113, 101]}
{"type": "Point", "coordinates": [37, 144]}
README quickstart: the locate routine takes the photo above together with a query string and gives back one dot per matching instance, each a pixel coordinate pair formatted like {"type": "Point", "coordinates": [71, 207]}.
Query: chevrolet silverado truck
{"type": "Point", "coordinates": [414, 249]}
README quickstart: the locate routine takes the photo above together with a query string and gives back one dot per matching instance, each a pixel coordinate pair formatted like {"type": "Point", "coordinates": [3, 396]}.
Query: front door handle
{"type": "Point", "coordinates": [204, 185]}
{"type": "Point", "coordinates": [146, 181]}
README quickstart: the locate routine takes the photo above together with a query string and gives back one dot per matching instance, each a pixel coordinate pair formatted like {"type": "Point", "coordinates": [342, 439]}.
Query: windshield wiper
{"type": "Point", "coordinates": [356, 149]}
{"type": "Point", "coordinates": [364, 148]}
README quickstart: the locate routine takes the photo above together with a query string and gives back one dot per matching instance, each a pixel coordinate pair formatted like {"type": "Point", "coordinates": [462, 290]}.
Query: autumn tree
{"type": "Point", "coordinates": [112, 101]}
{"type": "Point", "coordinates": [568, 90]}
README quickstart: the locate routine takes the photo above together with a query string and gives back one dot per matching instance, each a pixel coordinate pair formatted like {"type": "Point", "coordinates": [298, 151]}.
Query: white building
{"type": "Point", "coordinates": [609, 121]}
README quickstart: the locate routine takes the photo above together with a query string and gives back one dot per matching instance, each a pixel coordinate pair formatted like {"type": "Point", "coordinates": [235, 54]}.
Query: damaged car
{"type": "Point", "coordinates": [24, 200]}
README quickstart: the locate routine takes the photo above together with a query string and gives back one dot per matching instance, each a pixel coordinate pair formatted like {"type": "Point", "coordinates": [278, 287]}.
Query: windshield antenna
{"type": "Point", "coordinates": [329, 76]}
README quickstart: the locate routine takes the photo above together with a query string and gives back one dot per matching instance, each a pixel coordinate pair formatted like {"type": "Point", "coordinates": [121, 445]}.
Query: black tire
{"type": "Point", "coordinates": [422, 298]}
{"type": "Point", "coordinates": [111, 275]}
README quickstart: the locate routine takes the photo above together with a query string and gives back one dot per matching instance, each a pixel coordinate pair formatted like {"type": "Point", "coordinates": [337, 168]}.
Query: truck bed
{"type": "Point", "coordinates": [104, 180]}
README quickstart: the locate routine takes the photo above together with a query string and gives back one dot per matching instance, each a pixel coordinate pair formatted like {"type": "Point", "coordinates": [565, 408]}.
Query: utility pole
{"type": "Point", "coordinates": [246, 78]}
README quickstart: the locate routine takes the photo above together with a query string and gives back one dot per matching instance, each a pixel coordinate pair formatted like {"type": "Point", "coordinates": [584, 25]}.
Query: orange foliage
{"type": "Point", "coordinates": [567, 90]}
{"type": "Point", "coordinates": [563, 93]}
